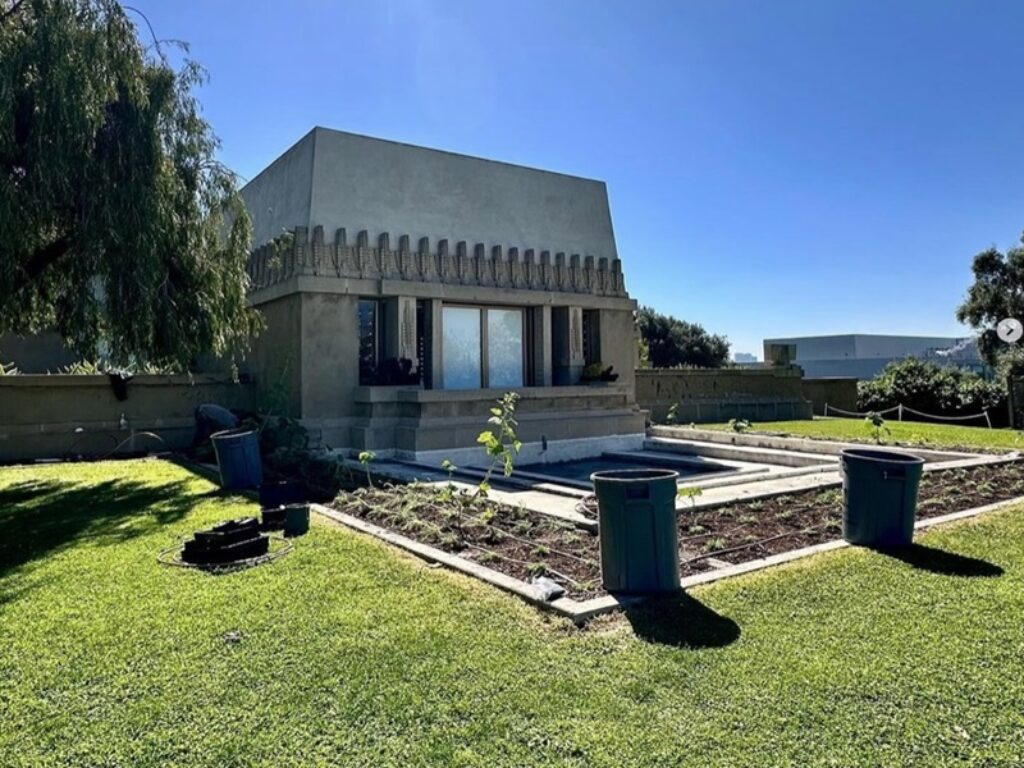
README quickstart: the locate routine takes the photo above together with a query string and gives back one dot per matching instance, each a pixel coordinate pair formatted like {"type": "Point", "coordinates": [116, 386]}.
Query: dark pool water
{"type": "Point", "coordinates": [580, 470]}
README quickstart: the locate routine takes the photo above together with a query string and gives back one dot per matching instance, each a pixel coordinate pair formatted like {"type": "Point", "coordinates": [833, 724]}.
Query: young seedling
{"type": "Point", "coordinates": [673, 414]}
{"type": "Point", "coordinates": [691, 493]}
{"type": "Point", "coordinates": [876, 424]}
{"type": "Point", "coordinates": [500, 440]}
{"type": "Point", "coordinates": [739, 425]}
{"type": "Point", "coordinates": [366, 458]}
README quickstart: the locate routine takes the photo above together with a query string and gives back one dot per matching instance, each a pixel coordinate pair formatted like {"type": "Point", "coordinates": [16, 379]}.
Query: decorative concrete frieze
{"type": "Point", "coordinates": [529, 270]}
{"type": "Point", "coordinates": [429, 271]}
{"type": "Point", "coordinates": [318, 252]}
{"type": "Point", "coordinates": [602, 276]}
{"type": "Point", "coordinates": [515, 273]}
{"type": "Point", "coordinates": [499, 269]}
{"type": "Point", "coordinates": [311, 255]}
{"type": "Point", "coordinates": [561, 273]}
{"type": "Point", "coordinates": [481, 266]}
{"type": "Point", "coordinates": [462, 267]}
{"type": "Point", "coordinates": [589, 275]}
{"type": "Point", "coordinates": [575, 273]}
{"type": "Point", "coordinates": [547, 281]}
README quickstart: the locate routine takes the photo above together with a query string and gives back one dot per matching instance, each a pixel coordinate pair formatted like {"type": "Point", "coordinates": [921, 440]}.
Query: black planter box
{"type": "Point", "coordinates": [239, 550]}
{"type": "Point", "coordinates": [227, 533]}
{"type": "Point", "coordinates": [273, 519]}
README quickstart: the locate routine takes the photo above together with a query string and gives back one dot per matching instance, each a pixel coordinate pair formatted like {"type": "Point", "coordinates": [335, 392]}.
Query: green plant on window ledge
{"type": "Point", "coordinates": [596, 372]}
{"type": "Point", "coordinates": [500, 441]}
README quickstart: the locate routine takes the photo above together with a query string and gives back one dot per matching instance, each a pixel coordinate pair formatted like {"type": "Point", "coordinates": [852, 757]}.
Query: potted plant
{"type": "Point", "coordinates": [597, 373]}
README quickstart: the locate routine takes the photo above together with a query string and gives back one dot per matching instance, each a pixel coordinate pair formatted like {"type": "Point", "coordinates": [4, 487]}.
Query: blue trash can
{"type": "Point", "coordinates": [238, 458]}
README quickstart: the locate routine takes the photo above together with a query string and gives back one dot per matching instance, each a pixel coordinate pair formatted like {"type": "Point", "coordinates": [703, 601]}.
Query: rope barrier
{"type": "Point", "coordinates": [901, 408]}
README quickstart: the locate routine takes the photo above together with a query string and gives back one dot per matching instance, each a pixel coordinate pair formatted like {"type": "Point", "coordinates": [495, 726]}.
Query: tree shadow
{"type": "Point", "coordinates": [681, 621]}
{"type": "Point", "coordinates": [940, 561]}
{"type": "Point", "coordinates": [41, 517]}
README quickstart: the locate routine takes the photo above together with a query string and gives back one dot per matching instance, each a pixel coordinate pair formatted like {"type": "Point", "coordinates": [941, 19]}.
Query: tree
{"type": "Point", "coordinates": [672, 342]}
{"type": "Point", "coordinates": [996, 294]}
{"type": "Point", "coordinates": [116, 222]}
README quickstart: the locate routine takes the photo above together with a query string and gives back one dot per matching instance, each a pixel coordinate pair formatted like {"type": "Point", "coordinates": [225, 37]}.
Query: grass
{"type": "Point", "coordinates": [905, 432]}
{"type": "Point", "coordinates": [347, 653]}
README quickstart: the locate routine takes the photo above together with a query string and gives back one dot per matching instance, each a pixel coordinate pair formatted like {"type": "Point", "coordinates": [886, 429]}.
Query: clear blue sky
{"type": "Point", "coordinates": [775, 168]}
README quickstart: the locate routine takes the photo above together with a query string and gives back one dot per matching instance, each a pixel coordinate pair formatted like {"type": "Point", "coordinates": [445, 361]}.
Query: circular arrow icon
{"type": "Point", "coordinates": [1010, 330]}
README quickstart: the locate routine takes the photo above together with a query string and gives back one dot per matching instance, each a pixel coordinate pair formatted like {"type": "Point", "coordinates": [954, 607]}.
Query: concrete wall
{"type": "Point", "coordinates": [279, 197]}
{"type": "Point", "coordinates": [715, 395]}
{"type": "Point", "coordinates": [338, 179]}
{"type": "Point", "coordinates": [837, 392]}
{"type": "Point", "coordinates": [39, 415]}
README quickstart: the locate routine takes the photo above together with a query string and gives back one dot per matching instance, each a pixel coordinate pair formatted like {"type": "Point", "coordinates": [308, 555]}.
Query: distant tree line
{"type": "Point", "coordinates": [668, 342]}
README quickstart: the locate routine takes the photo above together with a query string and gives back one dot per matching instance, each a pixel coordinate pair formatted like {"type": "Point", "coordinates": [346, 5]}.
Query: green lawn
{"type": "Point", "coordinates": [905, 432]}
{"type": "Point", "coordinates": [354, 655]}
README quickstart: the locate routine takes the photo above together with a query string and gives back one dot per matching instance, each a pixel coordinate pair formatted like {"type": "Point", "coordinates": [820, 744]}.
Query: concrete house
{"type": "Point", "coordinates": [404, 289]}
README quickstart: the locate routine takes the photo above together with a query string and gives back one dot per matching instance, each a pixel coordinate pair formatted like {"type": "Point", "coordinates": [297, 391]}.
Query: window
{"type": "Point", "coordinates": [504, 347]}
{"type": "Point", "coordinates": [371, 339]}
{"type": "Point", "coordinates": [460, 347]}
{"type": "Point", "coordinates": [482, 347]}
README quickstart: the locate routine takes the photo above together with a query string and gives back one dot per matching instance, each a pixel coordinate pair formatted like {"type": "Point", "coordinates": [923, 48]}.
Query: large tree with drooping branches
{"type": "Point", "coordinates": [117, 223]}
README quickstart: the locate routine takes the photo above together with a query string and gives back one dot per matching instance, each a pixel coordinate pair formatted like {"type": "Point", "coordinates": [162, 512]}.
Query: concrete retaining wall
{"type": "Point", "coordinates": [720, 394]}
{"type": "Point", "coordinates": [838, 392]}
{"type": "Point", "coordinates": [40, 415]}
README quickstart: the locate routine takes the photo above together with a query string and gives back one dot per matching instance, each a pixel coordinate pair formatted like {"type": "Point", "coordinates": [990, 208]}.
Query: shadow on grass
{"type": "Point", "coordinates": [681, 621]}
{"type": "Point", "coordinates": [39, 518]}
{"type": "Point", "coordinates": [942, 562]}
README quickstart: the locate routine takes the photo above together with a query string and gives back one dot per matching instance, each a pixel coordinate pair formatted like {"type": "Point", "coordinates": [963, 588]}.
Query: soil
{"type": "Point", "coordinates": [525, 544]}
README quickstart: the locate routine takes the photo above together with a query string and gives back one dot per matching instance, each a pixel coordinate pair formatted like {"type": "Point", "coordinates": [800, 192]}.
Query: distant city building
{"type": "Point", "coordinates": [744, 357]}
{"type": "Point", "coordinates": [862, 356]}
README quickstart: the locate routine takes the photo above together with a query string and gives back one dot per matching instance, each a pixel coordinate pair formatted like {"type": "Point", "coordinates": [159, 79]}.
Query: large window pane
{"type": "Point", "coordinates": [504, 348]}
{"type": "Point", "coordinates": [461, 347]}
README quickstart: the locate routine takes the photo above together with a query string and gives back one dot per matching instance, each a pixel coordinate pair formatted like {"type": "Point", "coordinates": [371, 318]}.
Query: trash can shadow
{"type": "Point", "coordinates": [941, 562]}
{"type": "Point", "coordinates": [681, 621]}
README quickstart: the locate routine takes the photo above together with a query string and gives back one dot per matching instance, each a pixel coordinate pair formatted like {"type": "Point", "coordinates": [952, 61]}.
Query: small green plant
{"type": "Point", "coordinates": [541, 550]}
{"type": "Point", "coordinates": [714, 545]}
{"type": "Point", "coordinates": [673, 414]}
{"type": "Point", "coordinates": [500, 440]}
{"type": "Point", "coordinates": [876, 425]}
{"type": "Point", "coordinates": [690, 493]}
{"type": "Point", "coordinates": [366, 458]}
{"type": "Point", "coordinates": [696, 529]}
{"type": "Point", "coordinates": [536, 569]}
{"type": "Point", "coordinates": [739, 425]}
{"type": "Point", "coordinates": [9, 369]}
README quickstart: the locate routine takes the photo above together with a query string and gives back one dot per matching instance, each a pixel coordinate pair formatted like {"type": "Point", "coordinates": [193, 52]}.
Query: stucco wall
{"type": "Point", "coordinates": [713, 395]}
{"type": "Point", "coordinates": [278, 198]}
{"type": "Point", "coordinates": [39, 415]}
{"type": "Point", "coordinates": [837, 392]}
{"type": "Point", "coordinates": [336, 179]}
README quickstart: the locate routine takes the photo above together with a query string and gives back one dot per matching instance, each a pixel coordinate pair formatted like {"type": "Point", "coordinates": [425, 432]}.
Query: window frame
{"type": "Point", "coordinates": [485, 339]}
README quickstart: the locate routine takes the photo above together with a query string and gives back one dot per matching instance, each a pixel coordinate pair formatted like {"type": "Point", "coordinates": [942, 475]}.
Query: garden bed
{"type": "Point", "coordinates": [525, 544]}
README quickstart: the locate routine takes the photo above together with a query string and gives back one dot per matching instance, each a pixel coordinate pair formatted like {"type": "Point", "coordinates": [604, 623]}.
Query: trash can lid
{"type": "Point", "coordinates": [634, 475]}
{"type": "Point", "coordinates": [877, 454]}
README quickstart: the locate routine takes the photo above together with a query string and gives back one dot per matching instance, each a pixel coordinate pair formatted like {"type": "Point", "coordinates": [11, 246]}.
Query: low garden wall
{"type": "Point", "coordinates": [838, 392]}
{"type": "Point", "coordinates": [55, 416]}
{"type": "Point", "coordinates": [720, 394]}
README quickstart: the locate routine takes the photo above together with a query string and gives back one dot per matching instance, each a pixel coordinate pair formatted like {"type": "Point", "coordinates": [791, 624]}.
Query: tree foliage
{"type": "Point", "coordinates": [667, 342]}
{"type": "Point", "coordinates": [996, 294]}
{"type": "Point", "coordinates": [116, 222]}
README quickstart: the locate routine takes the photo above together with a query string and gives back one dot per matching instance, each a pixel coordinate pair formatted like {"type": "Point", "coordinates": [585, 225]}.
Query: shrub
{"type": "Point", "coordinates": [927, 387]}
